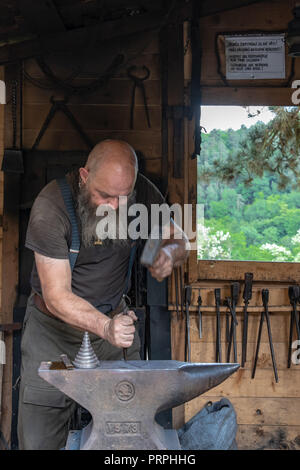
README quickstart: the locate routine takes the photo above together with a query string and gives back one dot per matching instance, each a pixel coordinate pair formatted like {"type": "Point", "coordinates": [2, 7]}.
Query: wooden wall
{"type": "Point", "coordinates": [104, 113]}
{"type": "Point", "coordinates": [267, 412]}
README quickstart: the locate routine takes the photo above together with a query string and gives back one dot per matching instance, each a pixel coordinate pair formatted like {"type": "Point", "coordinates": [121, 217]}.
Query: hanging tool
{"type": "Point", "coordinates": [265, 314]}
{"type": "Point", "coordinates": [232, 332]}
{"type": "Point", "coordinates": [61, 105]}
{"type": "Point", "coordinates": [232, 303]}
{"type": "Point", "coordinates": [247, 295]}
{"type": "Point", "coordinates": [138, 82]}
{"type": "Point", "coordinates": [227, 333]}
{"type": "Point", "coordinates": [176, 292]}
{"type": "Point", "coordinates": [199, 303]}
{"type": "Point", "coordinates": [188, 297]}
{"type": "Point", "coordinates": [294, 296]}
{"type": "Point", "coordinates": [181, 291]}
{"type": "Point", "coordinates": [218, 329]}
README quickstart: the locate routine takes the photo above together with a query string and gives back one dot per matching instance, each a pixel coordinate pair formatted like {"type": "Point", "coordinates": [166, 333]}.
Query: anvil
{"type": "Point", "coordinates": [123, 398]}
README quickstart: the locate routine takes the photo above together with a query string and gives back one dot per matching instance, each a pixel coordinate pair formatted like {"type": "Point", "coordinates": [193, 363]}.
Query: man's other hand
{"type": "Point", "coordinates": [163, 265]}
{"type": "Point", "coordinates": [119, 330]}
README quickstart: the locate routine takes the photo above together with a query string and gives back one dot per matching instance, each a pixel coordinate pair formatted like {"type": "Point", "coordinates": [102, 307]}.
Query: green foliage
{"type": "Point", "coordinates": [248, 181]}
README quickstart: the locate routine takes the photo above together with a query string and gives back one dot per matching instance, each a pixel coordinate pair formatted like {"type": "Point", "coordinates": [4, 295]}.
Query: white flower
{"type": "Point", "coordinates": [210, 246]}
{"type": "Point", "coordinates": [279, 253]}
{"type": "Point", "coordinates": [296, 238]}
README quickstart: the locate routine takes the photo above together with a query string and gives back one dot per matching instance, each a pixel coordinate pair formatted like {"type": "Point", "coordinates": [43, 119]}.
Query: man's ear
{"type": "Point", "coordinates": [84, 173]}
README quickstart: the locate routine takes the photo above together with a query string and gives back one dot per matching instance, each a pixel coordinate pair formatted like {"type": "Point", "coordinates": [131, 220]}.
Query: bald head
{"type": "Point", "coordinates": [110, 172]}
{"type": "Point", "coordinates": [112, 153]}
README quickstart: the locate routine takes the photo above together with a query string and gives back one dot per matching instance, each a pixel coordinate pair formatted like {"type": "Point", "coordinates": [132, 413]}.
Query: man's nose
{"type": "Point", "coordinates": [114, 202]}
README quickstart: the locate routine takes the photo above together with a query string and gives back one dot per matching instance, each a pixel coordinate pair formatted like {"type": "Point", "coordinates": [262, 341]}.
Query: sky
{"type": "Point", "coordinates": [226, 117]}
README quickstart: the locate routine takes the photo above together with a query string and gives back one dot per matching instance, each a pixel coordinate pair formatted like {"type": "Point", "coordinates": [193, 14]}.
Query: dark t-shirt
{"type": "Point", "coordinates": [100, 272]}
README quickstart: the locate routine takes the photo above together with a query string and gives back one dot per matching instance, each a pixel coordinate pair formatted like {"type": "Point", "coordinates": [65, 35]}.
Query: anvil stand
{"type": "Point", "coordinates": [124, 397]}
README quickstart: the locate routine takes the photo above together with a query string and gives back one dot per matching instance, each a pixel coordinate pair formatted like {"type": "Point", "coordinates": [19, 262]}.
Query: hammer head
{"type": "Point", "coordinates": [124, 397]}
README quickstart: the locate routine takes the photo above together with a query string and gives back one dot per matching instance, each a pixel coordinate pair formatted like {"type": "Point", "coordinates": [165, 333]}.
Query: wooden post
{"type": "Point", "coordinates": [10, 259]}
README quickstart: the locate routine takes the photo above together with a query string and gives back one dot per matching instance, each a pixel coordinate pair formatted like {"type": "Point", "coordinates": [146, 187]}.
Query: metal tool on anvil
{"type": "Point", "coordinates": [124, 398]}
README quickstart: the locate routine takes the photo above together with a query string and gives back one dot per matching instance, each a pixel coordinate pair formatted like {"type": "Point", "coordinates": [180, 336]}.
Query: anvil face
{"type": "Point", "coordinates": [123, 398]}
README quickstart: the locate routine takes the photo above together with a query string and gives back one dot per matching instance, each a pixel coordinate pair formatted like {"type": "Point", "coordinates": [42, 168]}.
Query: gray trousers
{"type": "Point", "coordinates": [44, 412]}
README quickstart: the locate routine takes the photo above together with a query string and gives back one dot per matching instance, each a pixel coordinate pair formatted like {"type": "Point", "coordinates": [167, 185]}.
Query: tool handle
{"type": "Point", "coordinates": [218, 296]}
{"type": "Point", "coordinates": [199, 301]}
{"type": "Point", "coordinates": [188, 295]}
{"type": "Point", "coordinates": [235, 292]}
{"type": "Point", "coordinates": [247, 294]}
{"type": "Point", "coordinates": [294, 294]}
{"type": "Point", "coordinates": [265, 296]}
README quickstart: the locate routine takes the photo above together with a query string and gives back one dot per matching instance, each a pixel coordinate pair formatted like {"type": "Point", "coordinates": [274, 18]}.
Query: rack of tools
{"type": "Point", "coordinates": [237, 308]}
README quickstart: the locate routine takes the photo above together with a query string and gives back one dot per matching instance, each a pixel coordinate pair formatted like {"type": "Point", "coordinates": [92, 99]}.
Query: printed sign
{"type": "Point", "coordinates": [255, 57]}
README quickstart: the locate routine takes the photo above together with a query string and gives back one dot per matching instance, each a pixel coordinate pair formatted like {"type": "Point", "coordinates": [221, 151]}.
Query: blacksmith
{"type": "Point", "coordinates": [88, 296]}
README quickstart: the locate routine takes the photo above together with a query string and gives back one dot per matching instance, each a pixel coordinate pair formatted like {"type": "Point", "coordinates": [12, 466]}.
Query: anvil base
{"type": "Point", "coordinates": [75, 440]}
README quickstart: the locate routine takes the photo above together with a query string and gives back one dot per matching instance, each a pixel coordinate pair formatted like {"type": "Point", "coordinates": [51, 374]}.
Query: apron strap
{"type": "Point", "coordinates": [68, 200]}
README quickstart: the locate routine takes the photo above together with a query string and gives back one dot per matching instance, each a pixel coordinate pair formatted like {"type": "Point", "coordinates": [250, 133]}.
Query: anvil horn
{"type": "Point", "coordinates": [123, 398]}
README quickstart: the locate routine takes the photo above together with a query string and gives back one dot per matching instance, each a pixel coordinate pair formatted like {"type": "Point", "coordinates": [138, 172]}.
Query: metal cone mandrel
{"type": "Point", "coordinates": [86, 357]}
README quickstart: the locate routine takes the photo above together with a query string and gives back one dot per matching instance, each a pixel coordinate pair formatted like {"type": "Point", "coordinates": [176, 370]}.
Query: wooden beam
{"type": "Point", "coordinates": [41, 17]}
{"type": "Point", "coordinates": [209, 7]}
{"type": "Point", "coordinates": [80, 38]}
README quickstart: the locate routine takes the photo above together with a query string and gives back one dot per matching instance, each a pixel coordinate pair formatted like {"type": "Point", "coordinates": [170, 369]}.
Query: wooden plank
{"type": "Point", "coordinates": [116, 92]}
{"type": "Point", "coordinates": [268, 437]}
{"type": "Point", "coordinates": [241, 96]}
{"type": "Point", "coordinates": [91, 117]}
{"type": "Point", "coordinates": [63, 65]}
{"type": "Point", "coordinates": [206, 352]}
{"type": "Point", "coordinates": [280, 325]}
{"type": "Point", "coordinates": [218, 6]}
{"type": "Point", "coordinates": [235, 271]}
{"type": "Point", "coordinates": [278, 295]}
{"type": "Point", "coordinates": [147, 142]}
{"type": "Point", "coordinates": [263, 385]}
{"type": "Point", "coordinates": [254, 411]}
{"type": "Point", "coordinates": [77, 38]}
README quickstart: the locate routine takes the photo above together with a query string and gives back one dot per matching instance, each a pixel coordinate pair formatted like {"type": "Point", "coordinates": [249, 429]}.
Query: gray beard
{"type": "Point", "coordinates": [88, 220]}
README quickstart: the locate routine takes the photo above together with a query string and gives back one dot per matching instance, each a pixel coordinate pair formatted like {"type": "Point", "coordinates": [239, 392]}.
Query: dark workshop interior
{"type": "Point", "coordinates": [77, 72]}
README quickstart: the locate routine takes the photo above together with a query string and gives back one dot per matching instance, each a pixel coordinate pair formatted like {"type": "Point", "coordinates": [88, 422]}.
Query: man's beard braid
{"type": "Point", "coordinates": [89, 220]}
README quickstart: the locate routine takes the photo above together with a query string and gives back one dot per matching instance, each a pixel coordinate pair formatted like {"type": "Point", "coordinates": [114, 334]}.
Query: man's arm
{"type": "Point", "coordinates": [174, 251]}
{"type": "Point", "coordinates": [55, 277]}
